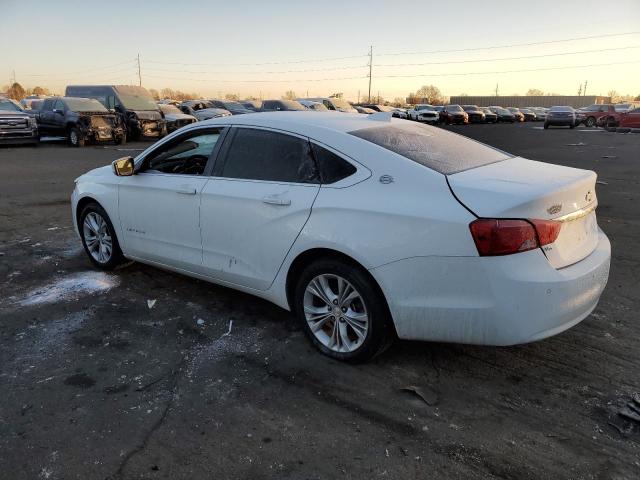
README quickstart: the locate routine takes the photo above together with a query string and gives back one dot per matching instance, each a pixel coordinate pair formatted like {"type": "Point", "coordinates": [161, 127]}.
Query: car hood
{"type": "Point", "coordinates": [172, 117]}
{"type": "Point", "coordinates": [148, 114]}
{"type": "Point", "coordinates": [12, 113]}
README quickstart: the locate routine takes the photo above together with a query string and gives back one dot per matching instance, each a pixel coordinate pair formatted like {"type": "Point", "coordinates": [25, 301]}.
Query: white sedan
{"type": "Point", "coordinates": [366, 227]}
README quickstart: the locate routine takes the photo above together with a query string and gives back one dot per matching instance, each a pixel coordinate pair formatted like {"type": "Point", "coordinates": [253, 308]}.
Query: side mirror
{"type": "Point", "coordinates": [123, 167]}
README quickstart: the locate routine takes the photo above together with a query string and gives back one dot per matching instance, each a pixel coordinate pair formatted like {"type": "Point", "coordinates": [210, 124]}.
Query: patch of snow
{"type": "Point", "coordinates": [70, 287]}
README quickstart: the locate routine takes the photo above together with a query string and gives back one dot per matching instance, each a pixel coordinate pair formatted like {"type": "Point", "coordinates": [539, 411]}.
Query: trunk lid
{"type": "Point", "coordinates": [520, 188]}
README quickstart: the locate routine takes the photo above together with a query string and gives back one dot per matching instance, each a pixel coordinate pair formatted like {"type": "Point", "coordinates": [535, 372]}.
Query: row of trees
{"type": "Point", "coordinates": [18, 92]}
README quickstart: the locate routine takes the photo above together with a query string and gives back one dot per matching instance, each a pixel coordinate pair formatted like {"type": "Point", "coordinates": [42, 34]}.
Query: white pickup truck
{"type": "Point", "coordinates": [423, 113]}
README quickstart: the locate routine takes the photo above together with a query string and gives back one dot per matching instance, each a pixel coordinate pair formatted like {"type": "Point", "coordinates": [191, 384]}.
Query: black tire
{"type": "Point", "coordinates": [116, 257]}
{"type": "Point", "coordinates": [546, 125]}
{"type": "Point", "coordinates": [380, 333]}
{"type": "Point", "coordinates": [572, 126]}
{"type": "Point", "coordinates": [120, 139]}
{"type": "Point", "coordinates": [590, 122]}
{"type": "Point", "coordinates": [75, 137]}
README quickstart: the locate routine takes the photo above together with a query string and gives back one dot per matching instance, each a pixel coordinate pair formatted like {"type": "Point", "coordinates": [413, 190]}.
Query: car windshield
{"type": "Point", "coordinates": [136, 98]}
{"type": "Point", "coordinates": [502, 111]}
{"type": "Point", "coordinates": [341, 103]}
{"type": "Point", "coordinates": [233, 106]}
{"type": "Point", "coordinates": [292, 105]}
{"type": "Point", "coordinates": [454, 108]}
{"type": "Point", "coordinates": [84, 105]}
{"type": "Point", "coordinates": [562, 109]}
{"type": "Point", "coordinates": [9, 105]}
{"type": "Point", "coordinates": [440, 150]}
{"type": "Point", "coordinates": [469, 107]}
{"type": "Point", "coordinates": [424, 107]}
{"type": "Point", "coordinates": [170, 109]}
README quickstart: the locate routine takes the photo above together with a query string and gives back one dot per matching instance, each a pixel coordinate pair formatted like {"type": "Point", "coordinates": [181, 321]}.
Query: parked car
{"type": "Point", "coordinates": [236, 108]}
{"type": "Point", "coordinates": [313, 222]}
{"type": "Point", "coordinates": [365, 110]}
{"type": "Point", "coordinates": [337, 104]}
{"type": "Point", "coordinates": [517, 114]}
{"type": "Point", "coordinates": [540, 113]}
{"type": "Point", "coordinates": [80, 120]}
{"type": "Point", "coordinates": [529, 115]}
{"type": "Point", "coordinates": [451, 114]}
{"type": "Point", "coordinates": [400, 113]}
{"type": "Point", "coordinates": [475, 114]}
{"type": "Point", "coordinates": [612, 116]}
{"type": "Point", "coordinates": [424, 113]}
{"type": "Point", "coordinates": [139, 114]}
{"type": "Point", "coordinates": [560, 116]}
{"type": "Point", "coordinates": [589, 115]}
{"type": "Point", "coordinates": [312, 105]}
{"type": "Point", "coordinates": [629, 119]}
{"type": "Point", "coordinates": [254, 105]}
{"type": "Point", "coordinates": [503, 114]}
{"type": "Point", "coordinates": [175, 117]}
{"type": "Point", "coordinates": [282, 106]}
{"type": "Point", "coordinates": [32, 102]}
{"type": "Point", "coordinates": [202, 110]}
{"type": "Point", "coordinates": [16, 126]}
{"type": "Point", "coordinates": [489, 116]}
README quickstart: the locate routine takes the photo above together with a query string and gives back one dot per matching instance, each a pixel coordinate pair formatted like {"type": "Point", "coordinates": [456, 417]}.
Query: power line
{"type": "Point", "coordinates": [257, 81]}
{"type": "Point", "coordinates": [508, 58]}
{"type": "Point", "coordinates": [220, 72]}
{"type": "Point", "coordinates": [316, 60]}
{"type": "Point", "coordinates": [85, 70]}
{"type": "Point", "coordinates": [510, 71]}
{"type": "Point", "coordinates": [530, 44]}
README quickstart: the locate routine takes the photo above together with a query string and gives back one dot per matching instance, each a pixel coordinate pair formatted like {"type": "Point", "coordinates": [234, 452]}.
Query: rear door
{"type": "Point", "coordinates": [264, 185]}
{"type": "Point", "coordinates": [57, 126]}
{"type": "Point", "coordinates": [159, 207]}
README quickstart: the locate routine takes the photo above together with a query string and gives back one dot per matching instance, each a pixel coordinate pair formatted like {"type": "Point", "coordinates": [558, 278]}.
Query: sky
{"type": "Point", "coordinates": [317, 48]}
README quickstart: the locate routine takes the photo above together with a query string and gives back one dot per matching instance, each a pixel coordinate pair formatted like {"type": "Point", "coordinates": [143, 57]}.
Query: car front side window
{"type": "Point", "coordinates": [271, 156]}
{"type": "Point", "coordinates": [186, 156]}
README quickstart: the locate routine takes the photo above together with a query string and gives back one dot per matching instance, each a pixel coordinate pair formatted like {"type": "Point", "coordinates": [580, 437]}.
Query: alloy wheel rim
{"type": "Point", "coordinates": [97, 237]}
{"type": "Point", "coordinates": [336, 313]}
{"type": "Point", "coordinates": [74, 137]}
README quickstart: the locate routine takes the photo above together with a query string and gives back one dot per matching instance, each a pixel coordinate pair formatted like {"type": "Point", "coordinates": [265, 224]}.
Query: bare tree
{"type": "Point", "coordinates": [615, 97]}
{"type": "Point", "coordinates": [154, 93]}
{"type": "Point", "coordinates": [232, 96]}
{"type": "Point", "coordinates": [16, 91]}
{"type": "Point", "coordinates": [398, 102]}
{"type": "Point", "coordinates": [428, 94]}
{"type": "Point", "coordinates": [534, 92]}
{"type": "Point", "coordinates": [289, 95]}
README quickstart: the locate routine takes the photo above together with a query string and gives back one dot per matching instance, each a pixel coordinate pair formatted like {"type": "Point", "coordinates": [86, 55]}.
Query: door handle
{"type": "Point", "coordinates": [186, 190]}
{"type": "Point", "coordinates": [275, 200]}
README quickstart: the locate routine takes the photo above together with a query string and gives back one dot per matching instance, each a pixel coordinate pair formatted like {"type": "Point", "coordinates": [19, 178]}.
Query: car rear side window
{"type": "Point", "coordinates": [264, 155]}
{"type": "Point", "coordinates": [435, 148]}
{"type": "Point", "coordinates": [332, 167]}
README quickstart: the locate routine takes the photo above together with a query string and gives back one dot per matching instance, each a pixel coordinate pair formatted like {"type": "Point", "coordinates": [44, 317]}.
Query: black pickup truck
{"type": "Point", "coordinates": [80, 120]}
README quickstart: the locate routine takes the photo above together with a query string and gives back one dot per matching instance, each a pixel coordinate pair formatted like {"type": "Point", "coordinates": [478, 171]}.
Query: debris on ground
{"type": "Point", "coordinates": [200, 322]}
{"type": "Point", "coordinates": [228, 332]}
{"type": "Point", "coordinates": [609, 156]}
{"type": "Point", "coordinates": [151, 303]}
{"type": "Point", "coordinates": [429, 396]}
{"type": "Point", "coordinates": [579, 144]}
{"type": "Point", "coordinates": [600, 182]}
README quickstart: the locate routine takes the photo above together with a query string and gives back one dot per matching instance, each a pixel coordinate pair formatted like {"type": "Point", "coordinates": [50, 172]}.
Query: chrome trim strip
{"type": "Point", "coordinates": [583, 212]}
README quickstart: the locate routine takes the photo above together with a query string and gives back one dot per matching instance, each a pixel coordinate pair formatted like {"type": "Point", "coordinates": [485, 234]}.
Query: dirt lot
{"type": "Point", "coordinates": [94, 384]}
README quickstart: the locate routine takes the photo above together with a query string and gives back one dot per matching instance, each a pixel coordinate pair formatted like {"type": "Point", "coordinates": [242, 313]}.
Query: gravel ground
{"type": "Point", "coordinates": [212, 383]}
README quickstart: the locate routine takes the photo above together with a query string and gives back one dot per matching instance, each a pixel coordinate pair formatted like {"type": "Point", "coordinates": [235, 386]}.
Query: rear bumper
{"type": "Point", "coordinates": [492, 300]}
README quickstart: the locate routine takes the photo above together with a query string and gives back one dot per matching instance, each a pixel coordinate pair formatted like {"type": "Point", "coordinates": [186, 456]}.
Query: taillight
{"type": "Point", "coordinates": [494, 236]}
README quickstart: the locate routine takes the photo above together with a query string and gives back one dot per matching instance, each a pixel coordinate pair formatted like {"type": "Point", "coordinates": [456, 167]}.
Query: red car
{"type": "Point", "coordinates": [453, 114]}
{"type": "Point", "coordinates": [612, 117]}
{"type": "Point", "coordinates": [630, 119]}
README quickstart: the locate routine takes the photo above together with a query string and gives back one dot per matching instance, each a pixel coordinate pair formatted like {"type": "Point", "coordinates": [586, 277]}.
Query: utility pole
{"type": "Point", "coordinates": [584, 93]}
{"type": "Point", "coordinates": [358, 95]}
{"type": "Point", "coordinates": [14, 77]}
{"type": "Point", "coordinates": [580, 90]}
{"type": "Point", "coordinates": [496, 89]}
{"type": "Point", "coordinates": [370, 69]}
{"type": "Point", "coordinates": [139, 74]}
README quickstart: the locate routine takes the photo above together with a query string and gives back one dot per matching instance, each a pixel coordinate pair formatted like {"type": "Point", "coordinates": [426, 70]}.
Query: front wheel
{"type": "Point", "coordinates": [546, 125]}
{"type": "Point", "coordinates": [590, 122]}
{"type": "Point", "coordinates": [75, 138]}
{"type": "Point", "coordinates": [99, 237]}
{"type": "Point", "coordinates": [343, 311]}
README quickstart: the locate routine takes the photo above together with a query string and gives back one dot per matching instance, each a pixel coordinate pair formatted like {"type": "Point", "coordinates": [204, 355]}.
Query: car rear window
{"type": "Point", "coordinates": [435, 148]}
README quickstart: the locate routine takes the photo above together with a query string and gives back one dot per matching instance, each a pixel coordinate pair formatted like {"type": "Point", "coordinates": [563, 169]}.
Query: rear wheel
{"type": "Point", "coordinates": [99, 237]}
{"type": "Point", "coordinates": [546, 125]}
{"type": "Point", "coordinates": [590, 122]}
{"type": "Point", "coordinates": [342, 311]}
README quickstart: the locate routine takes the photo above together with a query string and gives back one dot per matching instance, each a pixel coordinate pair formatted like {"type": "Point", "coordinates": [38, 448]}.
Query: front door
{"type": "Point", "coordinates": [256, 204]}
{"type": "Point", "coordinates": [159, 207]}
